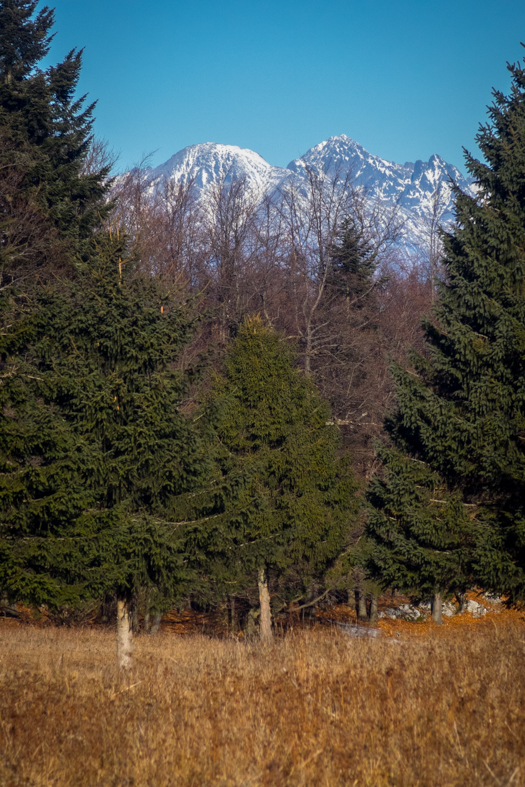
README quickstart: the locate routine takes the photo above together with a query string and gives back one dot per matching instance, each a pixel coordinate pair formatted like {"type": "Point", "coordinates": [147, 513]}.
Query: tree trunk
{"type": "Point", "coordinates": [155, 626]}
{"type": "Point", "coordinates": [8, 608]}
{"type": "Point", "coordinates": [124, 633]}
{"type": "Point", "coordinates": [373, 609]}
{"type": "Point", "coordinates": [146, 621]}
{"type": "Point", "coordinates": [436, 608]}
{"type": "Point", "coordinates": [462, 602]}
{"type": "Point", "coordinates": [233, 619]}
{"type": "Point", "coordinates": [308, 352]}
{"type": "Point", "coordinates": [360, 604]}
{"type": "Point", "coordinates": [265, 622]}
{"type": "Point", "coordinates": [135, 625]}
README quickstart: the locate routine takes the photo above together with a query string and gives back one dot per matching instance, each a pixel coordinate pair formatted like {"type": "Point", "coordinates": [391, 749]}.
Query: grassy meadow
{"type": "Point", "coordinates": [421, 705]}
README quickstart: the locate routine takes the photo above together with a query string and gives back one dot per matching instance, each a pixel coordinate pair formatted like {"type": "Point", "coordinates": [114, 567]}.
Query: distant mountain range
{"type": "Point", "coordinates": [412, 186]}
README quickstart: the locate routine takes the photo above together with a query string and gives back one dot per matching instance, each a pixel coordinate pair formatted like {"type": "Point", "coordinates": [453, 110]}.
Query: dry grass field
{"type": "Point", "coordinates": [422, 705]}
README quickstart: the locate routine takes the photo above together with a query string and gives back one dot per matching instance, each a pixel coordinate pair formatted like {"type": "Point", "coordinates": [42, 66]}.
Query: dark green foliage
{"type": "Point", "coordinates": [353, 263]}
{"type": "Point", "coordinates": [45, 135]}
{"type": "Point", "coordinates": [419, 532]}
{"type": "Point", "coordinates": [462, 411]}
{"type": "Point", "coordinates": [95, 451]}
{"type": "Point", "coordinates": [25, 37]}
{"type": "Point", "coordinates": [284, 499]}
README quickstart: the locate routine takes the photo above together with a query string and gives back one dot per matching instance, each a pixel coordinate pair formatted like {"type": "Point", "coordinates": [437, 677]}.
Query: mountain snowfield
{"type": "Point", "coordinates": [413, 187]}
{"type": "Point", "coordinates": [210, 162]}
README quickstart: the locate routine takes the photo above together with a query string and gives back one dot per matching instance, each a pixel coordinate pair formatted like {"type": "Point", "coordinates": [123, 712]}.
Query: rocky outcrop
{"type": "Point", "coordinates": [485, 604]}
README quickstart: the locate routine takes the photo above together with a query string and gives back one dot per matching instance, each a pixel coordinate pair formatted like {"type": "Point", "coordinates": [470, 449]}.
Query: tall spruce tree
{"type": "Point", "coordinates": [460, 423]}
{"type": "Point", "coordinates": [95, 451]}
{"type": "Point", "coordinates": [284, 501]}
{"type": "Point", "coordinates": [45, 133]}
{"type": "Point", "coordinates": [48, 213]}
{"type": "Point", "coordinates": [49, 208]}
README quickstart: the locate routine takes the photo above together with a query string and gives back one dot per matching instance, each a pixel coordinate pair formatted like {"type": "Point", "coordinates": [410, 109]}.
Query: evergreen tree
{"type": "Point", "coordinates": [48, 208]}
{"type": "Point", "coordinates": [45, 134]}
{"type": "Point", "coordinates": [284, 502]}
{"type": "Point", "coordinates": [419, 535]}
{"type": "Point", "coordinates": [461, 413]}
{"type": "Point", "coordinates": [353, 261]}
{"type": "Point", "coordinates": [95, 451]}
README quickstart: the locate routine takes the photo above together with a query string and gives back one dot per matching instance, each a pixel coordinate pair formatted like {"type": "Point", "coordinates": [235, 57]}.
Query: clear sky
{"type": "Point", "coordinates": [404, 78]}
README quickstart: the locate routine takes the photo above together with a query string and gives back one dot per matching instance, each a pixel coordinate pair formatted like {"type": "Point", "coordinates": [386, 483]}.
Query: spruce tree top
{"type": "Point", "coordinates": [478, 339]}
{"type": "Point", "coordinates": [43, 126]}
{"type": "Point", "coordinates": [25, 40]}
{"type": "Point", "coordinates": [353, 261]}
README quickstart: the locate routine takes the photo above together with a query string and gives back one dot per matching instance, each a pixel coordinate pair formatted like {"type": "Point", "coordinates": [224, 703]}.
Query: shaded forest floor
{"type": "Point", "coordinates": [420, 705]}
{"type": "Point", "coordinates": [218, 621]}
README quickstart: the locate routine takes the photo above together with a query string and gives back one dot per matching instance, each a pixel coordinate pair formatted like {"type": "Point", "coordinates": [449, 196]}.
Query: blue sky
{"type": "Point", "coordinates": [404, 78]}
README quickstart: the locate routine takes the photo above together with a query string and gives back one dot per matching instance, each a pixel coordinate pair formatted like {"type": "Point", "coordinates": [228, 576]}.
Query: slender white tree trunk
{"type": "Point", "coordinates": [124, 633]}
{"type": "Point", "coordinates": [308, 352]}
{"type": "Point", "coordinates": [436, 608]}
{"type": "Point", "coordinates": [265, 622]}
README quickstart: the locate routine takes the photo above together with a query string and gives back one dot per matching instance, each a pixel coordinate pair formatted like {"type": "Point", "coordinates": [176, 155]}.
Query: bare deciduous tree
{"type": "Point", "coordinates": [432, 239]}
{"type": "Point", "coordinates": [99, 157]}
{"type": "Point", "coordinates": [230, 218]}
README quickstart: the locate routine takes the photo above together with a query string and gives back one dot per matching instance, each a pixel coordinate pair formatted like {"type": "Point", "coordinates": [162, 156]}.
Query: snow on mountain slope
{"type": "Point", "coordinates": [209, 163]}
{"type": "Point", "coordinates": [413, 187]}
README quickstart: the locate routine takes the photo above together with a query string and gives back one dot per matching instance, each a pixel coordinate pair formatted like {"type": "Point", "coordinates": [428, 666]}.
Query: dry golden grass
{"type": "Point", "coordinates": [432, 706]}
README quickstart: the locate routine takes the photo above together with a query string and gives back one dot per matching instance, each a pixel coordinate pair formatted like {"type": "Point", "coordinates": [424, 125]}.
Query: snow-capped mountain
{"type": "Point", "coordinates": [416, 188]}
{"type": "Point", "coordinates": [209, 162]}
{"type": "Point", "coordinates": [413, 186]}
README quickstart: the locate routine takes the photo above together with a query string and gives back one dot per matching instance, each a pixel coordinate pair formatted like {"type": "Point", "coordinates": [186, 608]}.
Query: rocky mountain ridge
{"type": "Point", "coordinates": [422, 190]}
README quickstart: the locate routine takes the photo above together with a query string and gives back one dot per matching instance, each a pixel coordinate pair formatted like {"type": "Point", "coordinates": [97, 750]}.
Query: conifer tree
{"type": "Point", "coordinates": [48, 213]}
{"type": "Point", "coordinates": [95, 453]}
{"type": "Point", "coordinates": [460, 422]}
{"type": "Point", "coordinates": [49, 207]}
{"type": "Point", "coordinates": [419, 534]}
{"type": "Point", "coordinates": [353, 261]}
{"type": "Point", "coordinates": [46, 133]}
{"type": "Point", "coordinates": [285, 501]}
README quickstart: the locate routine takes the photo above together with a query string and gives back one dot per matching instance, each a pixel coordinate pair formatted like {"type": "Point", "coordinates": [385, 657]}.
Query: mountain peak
{"type": "Point", "coordinates": [208, 162]}
{"type": "Point", "coordinates": [412, 187]}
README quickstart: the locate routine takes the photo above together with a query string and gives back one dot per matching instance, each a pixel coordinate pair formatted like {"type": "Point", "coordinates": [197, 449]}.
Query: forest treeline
{"type": "Point", "coordinates": [224, 398]}
{"type": "Point", "coordinates": [318, 260]}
